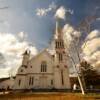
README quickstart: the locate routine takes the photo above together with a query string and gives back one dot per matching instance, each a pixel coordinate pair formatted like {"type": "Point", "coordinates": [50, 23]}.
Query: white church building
{"type": "Point", "coordinates": [45, 70]}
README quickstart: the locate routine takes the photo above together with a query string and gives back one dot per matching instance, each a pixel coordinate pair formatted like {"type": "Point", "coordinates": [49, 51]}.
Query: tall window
{"type": "Point", "coordinates": [43, 66]}
{"type": "Point", "coordinates": [62, 77]}
{"type": "Point", "coordinates": [60, 56]}
{"type": "Point", "coordinates": [19, 82]}
{"type": "Point", "coordinates": [31, 80]}
{"type": "Point", "coordinates": [57, 44]}
{"type": "Point", "coordinates": [51, 82]}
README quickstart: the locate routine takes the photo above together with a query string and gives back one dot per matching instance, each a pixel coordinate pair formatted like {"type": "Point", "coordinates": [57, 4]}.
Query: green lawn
{"type": "Point", "coordinates": [50, 96]}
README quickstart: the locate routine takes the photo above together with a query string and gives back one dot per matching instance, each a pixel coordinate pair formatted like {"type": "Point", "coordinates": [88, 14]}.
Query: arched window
{"type": "Point", "coordinates": [43, 66]}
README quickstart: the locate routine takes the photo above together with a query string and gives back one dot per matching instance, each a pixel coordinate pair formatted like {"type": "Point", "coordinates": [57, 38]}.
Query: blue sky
{"type": "Point", "coordinates": [21, 16]}
{"type": "Point", "coordinates": [20, 25]}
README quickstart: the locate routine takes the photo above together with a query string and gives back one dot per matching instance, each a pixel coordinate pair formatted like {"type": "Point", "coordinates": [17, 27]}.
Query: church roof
{"type": "Point", "coordinates": [40, 53]}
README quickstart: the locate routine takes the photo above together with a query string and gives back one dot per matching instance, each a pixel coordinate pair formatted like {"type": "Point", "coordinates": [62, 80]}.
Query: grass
{"type": "Point", "coordinates": [50, 96]}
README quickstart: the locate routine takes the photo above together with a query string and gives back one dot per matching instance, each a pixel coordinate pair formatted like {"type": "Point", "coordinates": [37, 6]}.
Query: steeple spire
{"type": "Point", "coordinates": [57, 24]}
{"type": "Point", "coordinates": [57, 29]}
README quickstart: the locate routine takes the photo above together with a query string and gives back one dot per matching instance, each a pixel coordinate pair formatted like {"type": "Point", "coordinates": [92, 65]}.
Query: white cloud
{"type": "Point", "coordinates": [4, 72]}
{"type": "Point", "coordinates": [12, 49]}
{"type": "Point", "coordinates": [70, 33]}
{"type": "Point", "coordinates": [61, 12]}
{"type": "Point", "coordinates": [43, 11]}
{"type": "Point", "coordinates": [92, 49]}
{"type": "Point", "coordinates": [91, 52]}
{"type": "Point", "coordinates": [10, 44]}
{"type": "Point", "coordinates": [93, 34]}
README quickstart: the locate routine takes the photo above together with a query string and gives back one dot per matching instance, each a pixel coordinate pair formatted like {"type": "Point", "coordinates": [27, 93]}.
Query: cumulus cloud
{"type": "Point", "coordinates": [70, 33]}
{"type": "Point", "coordinates": [91, 52]}
{"type": "Point", "coordinates": [4, 72]}
{"type": "Point", "coordinates": [61, 12]}
{"type": "Point", "coordinates": [12, 49]}
{"type": "Point", "coordinates": [43, 11]}
{"type": "Point", "coordinates": [94, 34]}
{"type": "Point", "coordinates": [92, 49]}
{"type": "Point", "coordinates": [10, 44]}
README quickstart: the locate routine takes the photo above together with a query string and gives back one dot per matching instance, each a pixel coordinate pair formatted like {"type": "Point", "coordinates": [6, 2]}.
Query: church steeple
{"type": "Point", "coordinates": [61, 71]}
{"type": "Point", "coordinates": [26, 57]}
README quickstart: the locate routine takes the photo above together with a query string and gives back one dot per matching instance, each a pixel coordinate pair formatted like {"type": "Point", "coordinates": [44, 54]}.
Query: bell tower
{"type": "Point", "coordinates": [26, 57]}
{"type": "Point", "coordinates": [61, 75]}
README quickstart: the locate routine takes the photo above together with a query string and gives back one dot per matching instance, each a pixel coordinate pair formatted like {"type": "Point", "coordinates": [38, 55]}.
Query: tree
{"type": "Point", "coordinates": [91, 76]}
{"type": "Point", "coordinates": [78, 75]}
{"type": "Point", "coordinates": [75, 47]}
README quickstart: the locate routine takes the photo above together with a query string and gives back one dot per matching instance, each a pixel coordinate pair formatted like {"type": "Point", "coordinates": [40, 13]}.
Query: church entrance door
{"type": "Point", "coordinates": [43, 82]}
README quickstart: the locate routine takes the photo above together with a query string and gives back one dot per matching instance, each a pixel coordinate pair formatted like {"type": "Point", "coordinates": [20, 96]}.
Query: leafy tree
{"type": "Point", "coordinates": [91, 76]}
